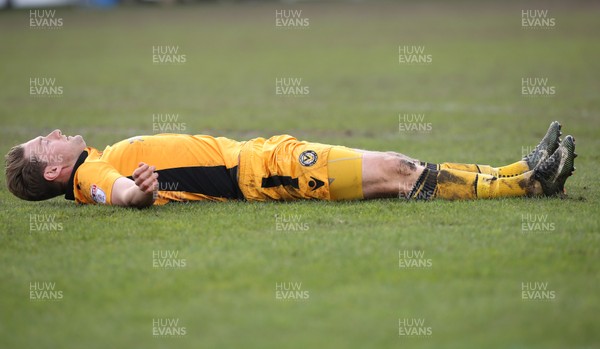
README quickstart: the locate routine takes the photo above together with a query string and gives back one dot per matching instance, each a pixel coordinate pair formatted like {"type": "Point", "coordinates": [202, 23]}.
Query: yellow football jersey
{"type": "Point", "coordinates": [189, 168]}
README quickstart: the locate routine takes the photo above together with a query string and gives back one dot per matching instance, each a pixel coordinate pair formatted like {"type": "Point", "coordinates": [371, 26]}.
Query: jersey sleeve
{"type": "Point", "coordinates": [94, 182]}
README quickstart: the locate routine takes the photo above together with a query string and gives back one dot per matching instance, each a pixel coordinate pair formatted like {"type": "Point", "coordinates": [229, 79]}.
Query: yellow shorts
{"type": "Point", "coordinates": [283, 168]}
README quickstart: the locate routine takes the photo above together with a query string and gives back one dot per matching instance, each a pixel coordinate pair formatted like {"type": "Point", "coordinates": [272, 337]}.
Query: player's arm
{"type": "Point", "coordinates": [139, 192]}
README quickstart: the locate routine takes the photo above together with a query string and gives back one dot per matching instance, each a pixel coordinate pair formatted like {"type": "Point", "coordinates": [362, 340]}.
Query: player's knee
{"type": "Point", "coordinates": [399, 166]}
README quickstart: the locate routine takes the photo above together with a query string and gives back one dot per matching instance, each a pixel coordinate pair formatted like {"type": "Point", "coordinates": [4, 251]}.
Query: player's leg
{"type": "Point", "coordinates": [542, 151]}
{"type": "Point", "coordinates": [395, 175]}
{"type": "Point", "coordinates": [356, 174]}
{"type": "Point", "coordinates": [390, 175]}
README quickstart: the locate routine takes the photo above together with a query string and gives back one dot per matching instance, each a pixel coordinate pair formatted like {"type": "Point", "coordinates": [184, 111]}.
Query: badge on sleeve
{"type": "Point", "coordinates": [98, 195]}
{"type": "Point", "coordinates": [308, 158]}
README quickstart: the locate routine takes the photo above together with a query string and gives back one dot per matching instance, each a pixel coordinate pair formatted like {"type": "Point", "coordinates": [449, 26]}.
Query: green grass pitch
{"type": "Point", "coordinates": [476, 256]}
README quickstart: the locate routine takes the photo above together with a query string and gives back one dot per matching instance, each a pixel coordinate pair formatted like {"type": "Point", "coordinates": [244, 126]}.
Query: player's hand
{"type": "Point", "coordinates": [145, 178]}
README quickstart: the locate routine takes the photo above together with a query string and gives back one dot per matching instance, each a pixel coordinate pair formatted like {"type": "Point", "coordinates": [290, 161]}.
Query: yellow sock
{"type": "Point", "coordinates": [461, 185]}
{"type": "Point", "coordinates": [514, 169]}
{"type": "Point", "coordinates": [511, 170]}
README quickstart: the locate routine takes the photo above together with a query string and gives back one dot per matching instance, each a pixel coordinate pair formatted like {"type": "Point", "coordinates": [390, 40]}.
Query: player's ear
{"type": "Point", "coordinates": [51, 172]}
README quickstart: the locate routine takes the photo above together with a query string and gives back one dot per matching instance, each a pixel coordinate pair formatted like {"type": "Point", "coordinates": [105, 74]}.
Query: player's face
{"type": "Point", "coordinates": [55, 148]}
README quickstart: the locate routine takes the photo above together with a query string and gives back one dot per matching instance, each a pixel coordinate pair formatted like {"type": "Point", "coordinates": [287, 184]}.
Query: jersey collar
{"type": "Point", "coordinates": [69, 194]}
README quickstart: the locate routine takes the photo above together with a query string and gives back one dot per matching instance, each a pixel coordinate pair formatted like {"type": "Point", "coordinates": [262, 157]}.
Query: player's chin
{"type": "Point", "coordinates": [78, 139]}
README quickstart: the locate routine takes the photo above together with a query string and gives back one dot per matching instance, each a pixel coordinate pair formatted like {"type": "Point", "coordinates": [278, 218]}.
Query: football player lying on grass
{"type": "Point", "coordinates": [146, 170]}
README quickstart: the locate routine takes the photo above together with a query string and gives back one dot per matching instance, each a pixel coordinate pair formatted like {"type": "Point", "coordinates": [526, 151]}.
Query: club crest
{"type": "Point", "coordinates": [308, 158]}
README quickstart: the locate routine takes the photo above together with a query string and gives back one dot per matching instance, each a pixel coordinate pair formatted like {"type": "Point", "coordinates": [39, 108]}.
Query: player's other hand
{"type": "Point", "coordinates": [145, 178]}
